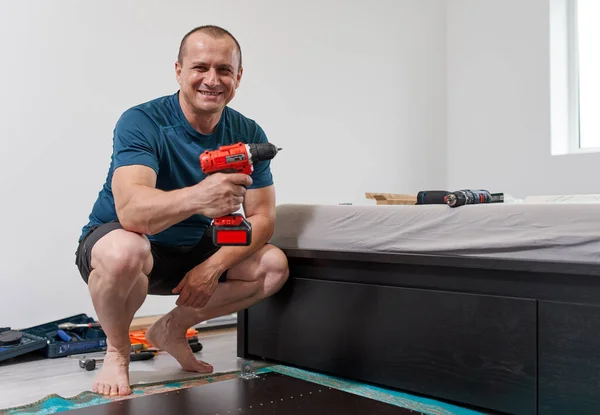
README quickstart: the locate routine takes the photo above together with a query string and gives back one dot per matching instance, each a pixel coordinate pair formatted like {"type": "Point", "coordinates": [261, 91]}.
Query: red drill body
{"type": "Point", "coordinates": [234, 229]}
{"type": "Point", "coordinates": [227, 159]}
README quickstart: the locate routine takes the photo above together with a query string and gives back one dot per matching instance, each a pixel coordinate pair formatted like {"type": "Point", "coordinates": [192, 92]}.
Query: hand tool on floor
{"type": "Point", "coordinates": [471, 197]}
{"type": "Point", "coordinates": [69, 336]}
{"type": "Point", "coordinates": [71, 326]}
{"type": "Point", "coordinates": [90, 364]}
{"type": "Point", "coordinates": [234, 229]}
{"type": "Point", "coordinates": [139, 347]}
{"type": "Point", "coordinates": [195, 344]}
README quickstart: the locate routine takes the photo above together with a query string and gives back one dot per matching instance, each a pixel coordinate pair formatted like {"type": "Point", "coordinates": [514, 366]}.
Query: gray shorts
{"type": "Point", "coordinates": [170, 263]}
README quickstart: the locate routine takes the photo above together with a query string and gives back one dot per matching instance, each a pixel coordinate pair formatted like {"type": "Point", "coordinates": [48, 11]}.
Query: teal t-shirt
{"type": "Point", "coordinates": [157, 134]}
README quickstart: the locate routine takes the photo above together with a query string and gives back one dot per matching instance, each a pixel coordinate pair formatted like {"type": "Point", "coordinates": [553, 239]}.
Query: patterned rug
{"type": "Point", "coordinates": [54, 403]}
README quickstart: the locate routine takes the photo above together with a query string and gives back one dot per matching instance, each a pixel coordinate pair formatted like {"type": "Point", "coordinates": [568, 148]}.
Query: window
{"type": "Point", "coordinates": [574, 76]}
{"type": "Point", "coordinates": [586, 71]}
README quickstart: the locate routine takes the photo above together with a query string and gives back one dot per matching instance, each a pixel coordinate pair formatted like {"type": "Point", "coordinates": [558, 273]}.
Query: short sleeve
{"type": "Point", "coordinates": [136, 140]}
{"type": "Point", "coordinates": [261, 176]}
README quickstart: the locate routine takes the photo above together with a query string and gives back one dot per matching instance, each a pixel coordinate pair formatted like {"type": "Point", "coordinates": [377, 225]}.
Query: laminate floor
{"type": "Point", "coordinates": [26, 379]}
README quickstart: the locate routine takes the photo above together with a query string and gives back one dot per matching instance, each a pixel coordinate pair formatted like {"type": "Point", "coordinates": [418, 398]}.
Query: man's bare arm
{"type": "Point", "coordinates": [143, 208]}
{"type": "Point", "coordinates": [259, 208]}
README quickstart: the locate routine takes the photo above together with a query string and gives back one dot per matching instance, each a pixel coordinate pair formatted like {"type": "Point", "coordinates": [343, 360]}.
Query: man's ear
{"type": "Point", "coordinates": [239, 77]}
{"type": "Point", "coordinates": [178, 72]}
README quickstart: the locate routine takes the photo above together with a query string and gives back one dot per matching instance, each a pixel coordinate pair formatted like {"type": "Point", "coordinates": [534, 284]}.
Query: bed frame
{"type": "Point", "coordinates": [507, 336]}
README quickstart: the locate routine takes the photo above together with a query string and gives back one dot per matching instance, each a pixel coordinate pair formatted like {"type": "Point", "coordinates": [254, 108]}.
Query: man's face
{"type": "Point", "coordinates": [209, 73]}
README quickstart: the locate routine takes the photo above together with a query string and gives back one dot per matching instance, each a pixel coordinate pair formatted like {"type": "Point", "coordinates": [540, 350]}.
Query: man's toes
{"type": "Point", "coordinates": [204, 367]}
{"type": "Point", "coordinates": [100, 389]}
{"type": "Point", "coordinates": [114, 390]}
{"type": "Point", "coordinates": [124, 389]}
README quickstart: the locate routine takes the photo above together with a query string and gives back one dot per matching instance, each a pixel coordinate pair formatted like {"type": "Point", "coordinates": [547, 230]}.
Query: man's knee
{"type": "Point", "coordinates": [274, 265]}
{"type": "Point", "coordinates": [121, 255]}
{"type": "Point", "coordinates": [268, 268]}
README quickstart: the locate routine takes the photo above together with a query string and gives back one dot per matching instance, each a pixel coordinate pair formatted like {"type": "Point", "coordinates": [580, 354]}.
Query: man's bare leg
{"type": "Point", "coordinates": [249, 282]}
{"type": "Point", "coordinates": [118, 285]}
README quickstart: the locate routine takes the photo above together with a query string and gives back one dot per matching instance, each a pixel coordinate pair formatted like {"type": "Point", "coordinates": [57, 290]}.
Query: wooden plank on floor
{"type": "Point", "coordinates": [271, 393]}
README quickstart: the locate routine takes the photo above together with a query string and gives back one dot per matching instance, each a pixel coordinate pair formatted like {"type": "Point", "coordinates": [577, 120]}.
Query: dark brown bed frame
{"type": "Point", "coordinates": [507, 336]}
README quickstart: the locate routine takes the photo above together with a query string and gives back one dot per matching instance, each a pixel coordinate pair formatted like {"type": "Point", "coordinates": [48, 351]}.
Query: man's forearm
{"type": "Point", "coordinates": [151, 210]}
{"type": "Point", "coordinates": [228, 256]}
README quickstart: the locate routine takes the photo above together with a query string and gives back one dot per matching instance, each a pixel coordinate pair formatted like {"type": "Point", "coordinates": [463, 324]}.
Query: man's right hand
{"type": "Point", "coordinates": [221, 193]}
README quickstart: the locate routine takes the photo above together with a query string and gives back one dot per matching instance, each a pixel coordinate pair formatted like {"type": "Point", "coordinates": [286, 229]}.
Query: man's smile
{"type": "Point", "coordinates": [210, 93]}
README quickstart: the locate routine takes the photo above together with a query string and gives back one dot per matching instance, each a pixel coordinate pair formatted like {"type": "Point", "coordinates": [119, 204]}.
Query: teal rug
{"type": "Point", "coordinates": [54, 403]}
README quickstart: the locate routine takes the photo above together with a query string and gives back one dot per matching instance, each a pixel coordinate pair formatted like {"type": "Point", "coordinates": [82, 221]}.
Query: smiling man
{"type": "Point", "coordinates": [147, 232]}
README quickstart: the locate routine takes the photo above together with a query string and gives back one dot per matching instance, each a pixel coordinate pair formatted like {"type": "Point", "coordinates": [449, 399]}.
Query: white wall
{"type": "Point", "coordinates": [499, 124]}
{"type": "Point", "coordinates": [343, 86]}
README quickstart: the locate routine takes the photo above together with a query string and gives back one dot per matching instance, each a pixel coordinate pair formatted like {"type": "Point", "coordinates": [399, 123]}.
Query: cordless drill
{"type": "Point", "coordinates": [234, 229]}
{"type": "Point", "coordinates": [471, 197]}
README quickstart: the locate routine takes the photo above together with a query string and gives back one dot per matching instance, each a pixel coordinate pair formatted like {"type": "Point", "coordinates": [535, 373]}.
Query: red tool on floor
{"type": "Point", "coordinates": [234, 229]}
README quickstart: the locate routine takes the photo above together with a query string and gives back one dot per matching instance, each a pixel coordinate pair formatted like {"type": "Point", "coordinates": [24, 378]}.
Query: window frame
{"type": "Point", "coordinates": [574, 103]}
{"type": "Point", "coordinates": [574, 136]}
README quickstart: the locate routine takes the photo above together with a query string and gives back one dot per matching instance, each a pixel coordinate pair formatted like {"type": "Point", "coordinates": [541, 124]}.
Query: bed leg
{"type": "Point", "coordinates": [242, 341]}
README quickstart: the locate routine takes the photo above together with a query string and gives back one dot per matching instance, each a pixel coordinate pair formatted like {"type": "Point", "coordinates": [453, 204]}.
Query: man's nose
{"type": "Point", "coordinates": [211, 78]}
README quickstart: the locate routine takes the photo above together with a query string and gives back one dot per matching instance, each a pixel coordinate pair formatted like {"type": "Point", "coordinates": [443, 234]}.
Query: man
{"type": "Point", "coordinates": [147, 230]}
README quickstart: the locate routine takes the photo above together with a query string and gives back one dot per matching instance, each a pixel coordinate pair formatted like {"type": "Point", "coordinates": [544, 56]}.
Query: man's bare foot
{"type": "Point", "coordinates": [164, 336]}
{"type": "Point", "coordinates": [113, 378]}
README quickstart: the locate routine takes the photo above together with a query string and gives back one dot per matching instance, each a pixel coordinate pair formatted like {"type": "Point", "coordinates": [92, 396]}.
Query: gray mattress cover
{"type": "Point", "coordinates": [543, 231]}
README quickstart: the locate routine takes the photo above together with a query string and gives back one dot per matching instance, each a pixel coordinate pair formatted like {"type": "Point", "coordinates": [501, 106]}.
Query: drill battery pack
{"type": "Point", "coordinates": [231, 230]}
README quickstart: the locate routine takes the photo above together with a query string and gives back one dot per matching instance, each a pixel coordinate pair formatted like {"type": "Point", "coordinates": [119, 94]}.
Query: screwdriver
{"type": "Point", "coordinates": [71, 326]}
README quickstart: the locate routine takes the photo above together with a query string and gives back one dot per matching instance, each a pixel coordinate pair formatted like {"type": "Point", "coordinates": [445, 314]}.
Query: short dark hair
{"type": "Point", "coordinates": [212, 30]}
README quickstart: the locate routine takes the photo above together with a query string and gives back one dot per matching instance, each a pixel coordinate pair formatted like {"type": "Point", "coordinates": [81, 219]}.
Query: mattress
{"type": "Point", "coordinates": [526, 231]}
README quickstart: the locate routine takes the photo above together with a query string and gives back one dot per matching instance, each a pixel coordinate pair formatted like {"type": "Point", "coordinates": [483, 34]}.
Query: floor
{"type": "Point", "coordinates": [26, 379]}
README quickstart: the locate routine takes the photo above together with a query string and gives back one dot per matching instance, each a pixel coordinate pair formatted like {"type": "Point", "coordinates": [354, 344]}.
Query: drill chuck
{"type": "Point", "coordinates": [261, 152]}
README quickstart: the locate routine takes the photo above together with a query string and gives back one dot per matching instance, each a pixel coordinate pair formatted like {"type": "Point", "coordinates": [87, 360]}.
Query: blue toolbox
{"type": "Point", "coordinates": [72, 335]}
{"type": "Point", "coordinates": [15, 343]}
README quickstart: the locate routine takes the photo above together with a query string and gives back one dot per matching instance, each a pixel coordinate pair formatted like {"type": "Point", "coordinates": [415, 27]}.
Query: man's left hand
{"type": "Point", "coordinates": [198, 285]}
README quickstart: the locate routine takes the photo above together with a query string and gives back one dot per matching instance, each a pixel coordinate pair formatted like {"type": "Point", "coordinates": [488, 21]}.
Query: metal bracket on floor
{"type": "Point", "coordinates": [248, 370]}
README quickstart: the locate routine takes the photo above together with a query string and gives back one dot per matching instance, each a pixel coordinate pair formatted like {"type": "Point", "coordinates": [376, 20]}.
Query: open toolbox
{"type": "Point", "coordinates": [64, 342]}
{"type": "Point", "coordinates": [15, 343]}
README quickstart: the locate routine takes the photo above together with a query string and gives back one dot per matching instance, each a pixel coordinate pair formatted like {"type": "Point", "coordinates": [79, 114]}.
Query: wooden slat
{"type": "Point", "coordinates": [143, 323]}
{"type": "Point", "coordinates": [392, 198]}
